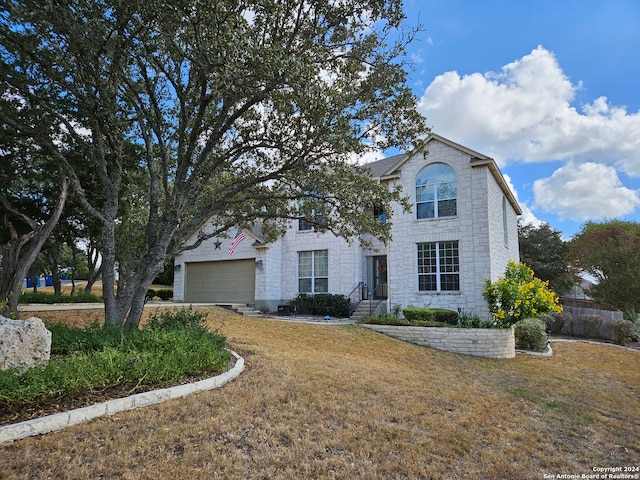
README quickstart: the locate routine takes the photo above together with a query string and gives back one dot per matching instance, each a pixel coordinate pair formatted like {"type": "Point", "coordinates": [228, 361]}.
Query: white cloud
{"type": "Point", "coordinates": [585, 191]}
{"type": "Point", "coordinates": [525, 112]}
{"type": "Point", "coordinates": [527, 217]}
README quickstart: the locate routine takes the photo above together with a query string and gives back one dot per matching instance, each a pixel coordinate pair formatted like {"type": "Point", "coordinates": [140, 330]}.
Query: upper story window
{"type": "Point", "coordinates": [313, 212]}
{"type": "Point", "coordinates": [303, 225]}
{"type": "Point", "coordinates": [436, 192]}
{"type": "Point", "coordinates": [379, 213]}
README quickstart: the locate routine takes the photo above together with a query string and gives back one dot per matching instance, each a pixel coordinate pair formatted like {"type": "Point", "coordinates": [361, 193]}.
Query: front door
{"type": "Point", "coordinates": [380, 277]}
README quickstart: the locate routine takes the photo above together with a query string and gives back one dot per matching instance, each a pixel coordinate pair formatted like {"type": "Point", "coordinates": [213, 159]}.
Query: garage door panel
{"type": "Point", "coordinates": [231, 281]}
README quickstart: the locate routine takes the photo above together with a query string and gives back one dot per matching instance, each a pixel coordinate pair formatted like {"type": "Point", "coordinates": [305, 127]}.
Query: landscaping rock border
{"type": "Point", "coordinates": [51, 423]}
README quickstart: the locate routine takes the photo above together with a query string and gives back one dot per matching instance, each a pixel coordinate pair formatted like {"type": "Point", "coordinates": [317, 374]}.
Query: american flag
{"type": "Point", "coordinates": [240, 236]}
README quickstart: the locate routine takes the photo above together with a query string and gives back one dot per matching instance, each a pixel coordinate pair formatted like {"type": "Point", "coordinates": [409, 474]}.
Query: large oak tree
{"type": "Point", "coordinates": [241, 108]}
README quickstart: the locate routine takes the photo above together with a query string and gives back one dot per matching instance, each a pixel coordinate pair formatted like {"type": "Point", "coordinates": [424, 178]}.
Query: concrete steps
{"type": "Point", "coordinates": [242, 309]}
{"type": "Point", "coordinates": [368, 307]}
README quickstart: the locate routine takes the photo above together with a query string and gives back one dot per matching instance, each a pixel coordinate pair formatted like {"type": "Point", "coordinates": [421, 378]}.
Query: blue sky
{"type": "Point", "coordinates": [550, 89]}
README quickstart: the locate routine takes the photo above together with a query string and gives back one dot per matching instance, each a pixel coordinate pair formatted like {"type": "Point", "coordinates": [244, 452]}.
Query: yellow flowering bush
{"type": "Point", "coordinates": [519, 295]}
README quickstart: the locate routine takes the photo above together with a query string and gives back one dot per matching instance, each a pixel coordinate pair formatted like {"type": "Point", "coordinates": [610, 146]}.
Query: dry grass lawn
{"type": "Point", "coordinates": [340, 402]}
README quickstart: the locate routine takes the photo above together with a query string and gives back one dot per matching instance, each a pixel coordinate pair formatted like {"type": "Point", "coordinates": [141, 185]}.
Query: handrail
{"type": "Point", "coordinates": [358, 290]}
{"type": "Point", "coordinates": [376, 296]}
{"type": "Point", "coordinates": [354, 300]}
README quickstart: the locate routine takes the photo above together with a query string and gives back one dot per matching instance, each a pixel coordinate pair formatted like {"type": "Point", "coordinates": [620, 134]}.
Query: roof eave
{"type": "Point", "coordinates": [497, 175]}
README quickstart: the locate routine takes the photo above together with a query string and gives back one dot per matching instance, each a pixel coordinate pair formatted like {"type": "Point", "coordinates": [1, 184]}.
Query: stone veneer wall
{"type": "Point", "coordinates": [480, 342]}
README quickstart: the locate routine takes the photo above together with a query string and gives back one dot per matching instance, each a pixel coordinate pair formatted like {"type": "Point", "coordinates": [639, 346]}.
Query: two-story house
{"type": "Point", "coordinates": [462, 229]}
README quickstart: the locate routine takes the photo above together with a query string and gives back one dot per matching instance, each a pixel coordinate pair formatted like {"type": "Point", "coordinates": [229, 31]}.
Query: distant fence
{"type": "Point", "coordinates": [577, 327]}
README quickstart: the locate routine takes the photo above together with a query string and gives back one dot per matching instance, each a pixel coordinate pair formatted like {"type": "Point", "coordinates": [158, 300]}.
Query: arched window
{"type": "Point", "coordinates": [436, 192]}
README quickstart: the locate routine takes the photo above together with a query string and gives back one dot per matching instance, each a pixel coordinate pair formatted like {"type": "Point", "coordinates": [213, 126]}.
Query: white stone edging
{"type": "Point", "coordinates": [593, 342]}
{"type": "Point", "coordinates": [58, 421]}
{"type": "Point", "coordinates": [547, 353]}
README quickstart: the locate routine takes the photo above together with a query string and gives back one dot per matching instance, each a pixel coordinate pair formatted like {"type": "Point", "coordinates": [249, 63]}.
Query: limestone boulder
{"type": "Point", "coordinates": [23, 343]}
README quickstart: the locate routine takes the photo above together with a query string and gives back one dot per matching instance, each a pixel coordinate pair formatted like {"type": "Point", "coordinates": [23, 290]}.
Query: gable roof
{"type": "Point", "coordinates": [388, 168]}
{"type": "Point", "coordinates": [381, 168]}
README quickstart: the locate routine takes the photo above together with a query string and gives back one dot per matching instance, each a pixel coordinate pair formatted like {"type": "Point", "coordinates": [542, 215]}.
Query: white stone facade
{"type": "Point", "coordinates": [485, 227]}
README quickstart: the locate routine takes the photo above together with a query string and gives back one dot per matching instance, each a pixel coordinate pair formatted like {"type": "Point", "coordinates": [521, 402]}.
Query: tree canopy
{"type": "Point", "coordinates": [610, 252]}
{"type": "Point", "coordinates": [239, 109]}
{"type": "Point", "coordinates": [543, 249]}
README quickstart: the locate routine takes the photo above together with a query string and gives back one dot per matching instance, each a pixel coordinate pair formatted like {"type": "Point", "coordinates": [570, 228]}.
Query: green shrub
{"type": "Point", "coordinates": [384, 319]}
{"type": "Point", "coordinates": [151, 293]}
{"type": "Point", "coordinates": [165, 293]}
{"type": "Point", "coordinates": [446, 316]}
{"type": "Point", "coordinates": [185, 318]}
{"type": "Point", "coordinates": [322, 304]}
{"type": "Point", "coordinates": [49, 298]}
{"type": "Point", "coordinates": [417, 314]}
{"type": "Point", "coordinates": [473, 320]}
{"type": "Point", "coordinates": [531, 334]}
{"type": "Point", "coordinates": [392, 319]}
{"type": "Point", "coordinates": [590, 325]}
{"type": "Point", "coordinates": [623, 331]}
{"type": "Point", "coordinates": [556, 321]}
{"type": "Point", "coordinates": [66, 340]}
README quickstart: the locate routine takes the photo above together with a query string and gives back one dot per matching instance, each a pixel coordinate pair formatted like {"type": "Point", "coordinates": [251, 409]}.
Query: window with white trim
{"type": "Point", "coordinates": [438, 267]}
{"type": "Point", "coordinates": [313, 271]}
{"type": "Point", "coordinates": [436, 192]}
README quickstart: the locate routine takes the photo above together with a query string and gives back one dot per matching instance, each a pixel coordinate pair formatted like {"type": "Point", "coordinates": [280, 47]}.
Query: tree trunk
{"type": "Point", "coordinates": [54, 264]}
{"type": "Point", "coordinates": [17, 266]}
{"type": "Point", "coordinates": [137, 305]}
{"type": "Point", "coordinates": [94, 271]}
{"type": "Point", "coordinates": [111, 310]}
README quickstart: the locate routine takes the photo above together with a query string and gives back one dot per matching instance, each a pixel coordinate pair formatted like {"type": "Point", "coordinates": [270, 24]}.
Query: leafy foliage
{"type": "Point", "coordinates": [472, 320]}
{"type": "Point", "coordinates": [531, 334]}
{"type": "Point", "coordinates": [428, 317]}
{"type": "Point", "coordinates": [180, 320]}
{"type": "Point", "coordinates": [609, 252]}
{"type": "Point", "coordinates": [545, 252]}
{"type": "Point", "coordinates": [237, 111]}
{"type": "Point", "coordinates": [518, 295]}
{"type": "Point", "coordinates": [385, 319]}
{"type": "Point", "coordinates": [48, 298]}
{"type": "Point", "coordinates": [446, 316]}
{"type": "Point", "coordinates": [590, 325]}
{"type": "Point", "coordinates": [417, 314]}
{"type": "Point", "coordinates": [165, 293]}
{"type": "Point", "coordinates": [624, 331]}
{"type": "Point", "coordinates": [174, 347]}
{"type": "Point", "coordinates": [556, 321]}
{"type": "Point", "coordinates": [334, 305]}
{"type": "Point", "coordinates": [437, 315]}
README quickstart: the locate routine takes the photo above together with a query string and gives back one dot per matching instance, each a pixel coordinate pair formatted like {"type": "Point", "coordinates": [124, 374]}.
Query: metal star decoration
{"type": "Point", "coordinates": [217, 243]}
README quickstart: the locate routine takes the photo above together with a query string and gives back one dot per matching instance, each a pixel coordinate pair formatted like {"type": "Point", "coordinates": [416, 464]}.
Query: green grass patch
{"type": "Point", "coordinates": [172, 347]}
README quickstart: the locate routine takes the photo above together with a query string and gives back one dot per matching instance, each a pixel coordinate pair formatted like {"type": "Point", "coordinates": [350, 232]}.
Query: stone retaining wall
{"type": "Point", "coordinates": [480, 342]}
